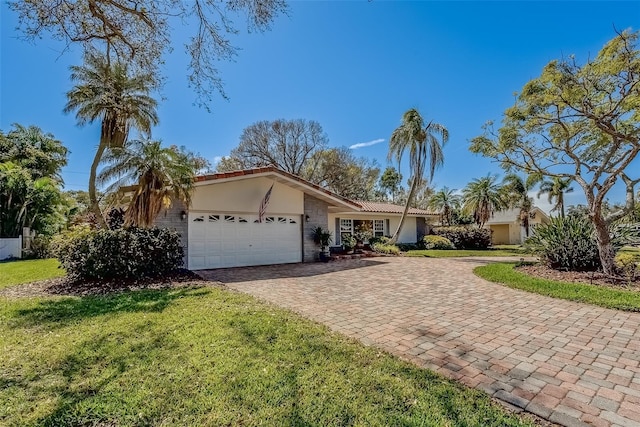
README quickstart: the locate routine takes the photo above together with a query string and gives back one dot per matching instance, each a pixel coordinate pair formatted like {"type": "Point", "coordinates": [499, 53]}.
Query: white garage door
{"type": "Point", "coordinates": [233, 240]}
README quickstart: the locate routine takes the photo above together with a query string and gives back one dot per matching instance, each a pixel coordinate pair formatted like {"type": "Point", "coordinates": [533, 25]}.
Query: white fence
{"type": "Point", "coordinates": [11, 248]}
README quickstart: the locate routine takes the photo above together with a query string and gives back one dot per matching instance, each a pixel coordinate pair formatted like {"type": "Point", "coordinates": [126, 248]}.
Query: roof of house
{"type": "Point", "coordinates": [379, 207]}
{"type": "Point", "coordinates": [284, 177]}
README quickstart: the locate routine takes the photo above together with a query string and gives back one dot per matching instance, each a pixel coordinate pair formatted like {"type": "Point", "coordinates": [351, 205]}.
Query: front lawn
{"type": "Point", "coordinates": [18, 272]}
{"type": "Point", "coordinates": [598, 295]}
{"type": "Point", "coordinates": [502, 250]}
{"type": "Point", "coordinates": [209, 357]}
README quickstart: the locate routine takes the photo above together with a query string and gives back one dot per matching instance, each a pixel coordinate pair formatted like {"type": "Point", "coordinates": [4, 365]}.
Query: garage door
{"type": "Point", "coordinates": [233, 240]}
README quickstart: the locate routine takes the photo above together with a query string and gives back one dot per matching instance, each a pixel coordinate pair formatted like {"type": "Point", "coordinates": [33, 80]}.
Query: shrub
{"type": "Point", "coordinates": [39, 248]}
{"type": "Point", "coordinates": [569, 243]}
{"type": "Point", "coordinates": [385, 249]}
{"type": "Point", "coordinates": [379, 239]}
{"type": "Point", "coordinates": [437, 242]}
{"type": "Point", "coordinates": [404, 247]}
{"type": "Point", "coordinates": [629, 265]}
{"type": "Point", "coordinates": [62, 240]}
{"type": "Point", "coordinates": [465, 237]}
{"type": "Point", "coordinates": [121, 253]}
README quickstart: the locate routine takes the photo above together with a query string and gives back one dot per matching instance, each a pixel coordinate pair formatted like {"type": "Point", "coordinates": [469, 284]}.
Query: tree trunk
{"type": "Point", "coordinates": [93, 198]}
{"type": "Point", "coordinates": [414, 185]}
{"type": "Point", "coordinates": [603, 238]}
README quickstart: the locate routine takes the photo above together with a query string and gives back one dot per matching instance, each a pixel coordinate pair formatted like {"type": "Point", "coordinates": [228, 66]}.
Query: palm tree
{"type": "Point", "coordinates": [108, 92]}
{"type": "Point", "coordinates": [482, 197]}
{"type": "Point", "coordinates": [445, 201]}
{"type": "Point", "coordinates": [425, 152]}
{"type": "Point", "coordinates": [555, 189]}
{"type": "Point", "coordinates": [517, 194]}
{"type": "Point", "coordinates": [160, 175]}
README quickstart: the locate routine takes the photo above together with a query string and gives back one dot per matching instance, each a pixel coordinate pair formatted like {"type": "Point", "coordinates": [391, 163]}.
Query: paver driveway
{"type": "Point", "coordinates": [567, 362]}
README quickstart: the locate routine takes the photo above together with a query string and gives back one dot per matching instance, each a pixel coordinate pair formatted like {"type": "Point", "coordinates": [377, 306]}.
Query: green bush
{"type": "Point", "coordinates": [629, 265]}
{"type": "Point", "coordinates": [62, 240]}
{"type": "Point", "coordinates": [569, 243]}
{"type": "Point", "coordinates": [437, 242]}
{"type": "Point", "coordinates": [384, 248]}
{"type": "Point", "coordinates": [465, 237]}
{"type": "Point", "coordinates": [39, 248]}
{"type": "Point", "coordinates": [379, 239]}
{"type": "Point", "coordinates": [405, 247]}
{"type": "Point", "coordinates": [121, 253]}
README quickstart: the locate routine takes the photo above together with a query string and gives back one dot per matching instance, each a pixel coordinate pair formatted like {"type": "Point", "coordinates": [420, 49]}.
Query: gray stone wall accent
{"type": "Point", "coordinates": [317, 211]}
{"type": "Point", "coordinates": [421, 228]}
{"type": "Point", "coordinates": [170, 218]}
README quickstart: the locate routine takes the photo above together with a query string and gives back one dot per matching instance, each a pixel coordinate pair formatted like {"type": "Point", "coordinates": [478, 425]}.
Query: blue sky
{"type": "Point", "coordinates": [354, 67]}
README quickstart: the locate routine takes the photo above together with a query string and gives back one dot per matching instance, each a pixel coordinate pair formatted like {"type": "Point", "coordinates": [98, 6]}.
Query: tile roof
{"type": "Point", "coordinates": [378, 207]}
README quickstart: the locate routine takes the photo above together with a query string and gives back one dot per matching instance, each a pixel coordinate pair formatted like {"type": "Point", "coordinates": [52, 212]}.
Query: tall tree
{"type": "Point", "coordinates": [30, 195]}
{"type": "Point", "coordinates": [140, 32]}
{"type": "Point", "coordinates": [517, 193]}
{"type": "Point", "coordinates": [160, 176]}
{"type": "Point", "coordinates": [109, 92]}
{"type": "Point", "coordinates": [390, 182]}
{"type": "Point", "coordinates": [340, 171]}
{"type": "Point", "coordinates": [285, 144]}
{"type": "Point", "coordinates": [555, 189]}
{"type": "Point", "coordinates": [482, 197]}
{"type": "Point", "coordinates": [578, 122]}
{"type": "Point", "coordinates": [40, 153]}
{"type": "Point", "coordinates": [425, 152]}
{"type": "Point", "coordinates": [446, 201]}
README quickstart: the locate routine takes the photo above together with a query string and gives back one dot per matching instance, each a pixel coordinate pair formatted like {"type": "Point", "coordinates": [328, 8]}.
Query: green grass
{"type": "Point", "coordinates": [209, 357]}
{"type": "Point", "coordinates": [500, 250]}
{"type": "Point", "coordinates": [597, 295]}
{"type": "Point", "coordinates": [18, 272]}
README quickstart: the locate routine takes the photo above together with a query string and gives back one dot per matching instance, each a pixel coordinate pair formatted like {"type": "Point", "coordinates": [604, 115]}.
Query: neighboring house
{"type": "Point", "coordinates": [221, 228]}
{"type": "Point", "coordinates": [506, 229]}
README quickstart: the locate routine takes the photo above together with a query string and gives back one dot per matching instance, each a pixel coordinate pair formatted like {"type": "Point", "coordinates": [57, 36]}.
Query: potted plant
{"type": "Point", "coordinates": [348, 242]}
{"type": "Point", "coordinates": [323, 238]}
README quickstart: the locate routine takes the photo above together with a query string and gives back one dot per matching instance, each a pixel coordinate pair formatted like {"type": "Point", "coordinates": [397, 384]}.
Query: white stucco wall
{"type": "Point", "coordinates": [245, 196]}
{"type": "Point", "coordinates": [407, 235]}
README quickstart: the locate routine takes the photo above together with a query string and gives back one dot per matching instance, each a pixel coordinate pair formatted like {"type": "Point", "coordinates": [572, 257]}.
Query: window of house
{"type": "Point", "coordinates": [346, 225]}
{"type": "Point", "coordinates": [378, 227]}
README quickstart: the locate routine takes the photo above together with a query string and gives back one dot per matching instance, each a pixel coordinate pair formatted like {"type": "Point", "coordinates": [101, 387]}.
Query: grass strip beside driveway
{"type": "Point", "coordinates": [506, 274]}
{"type": "Point", "coordinates": [26, 271]}
{"type": "Point", "coordinates": [210, 357]}
{"type": "Point", "coordinates": [441, 253]}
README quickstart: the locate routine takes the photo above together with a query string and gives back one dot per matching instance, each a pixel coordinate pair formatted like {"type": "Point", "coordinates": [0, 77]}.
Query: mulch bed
{"type": "Point", "coordinates": [585, 277]}
{"type": "Point", "coordinates": [65, 287]}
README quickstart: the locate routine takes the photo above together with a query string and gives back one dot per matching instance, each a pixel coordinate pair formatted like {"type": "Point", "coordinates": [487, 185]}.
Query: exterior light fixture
{"type": "Point", "coordinates": [183, 215]}
{"type": "Point", "coordinates": [306, 218]}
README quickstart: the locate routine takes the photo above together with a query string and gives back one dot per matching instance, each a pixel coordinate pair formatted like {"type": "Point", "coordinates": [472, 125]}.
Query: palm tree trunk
{"type": "Point", "coordinates": [561, 202]}
{"type": "Point", "coordinates": [93, 198]}
{"type": "Point", "coordinates": [414, 185]}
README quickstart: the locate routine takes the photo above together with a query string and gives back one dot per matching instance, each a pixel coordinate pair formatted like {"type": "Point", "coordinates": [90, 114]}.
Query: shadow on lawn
{"type": "Point", "coordinates": [91, 374]}
{"type": "Point", "coordinates": [283, 271]}
{"type": "Point", "coordinates": [60, 312]}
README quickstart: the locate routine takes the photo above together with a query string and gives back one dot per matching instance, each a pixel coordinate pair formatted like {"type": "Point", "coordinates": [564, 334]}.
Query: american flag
{"type": "Point", "coordinates": [263, 204]}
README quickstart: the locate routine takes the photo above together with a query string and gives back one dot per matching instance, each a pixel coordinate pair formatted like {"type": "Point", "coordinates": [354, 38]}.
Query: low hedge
{"type": "Point", "coordinates": [437, 242]}
{"type": "Point", "coordinates": [121, 253]}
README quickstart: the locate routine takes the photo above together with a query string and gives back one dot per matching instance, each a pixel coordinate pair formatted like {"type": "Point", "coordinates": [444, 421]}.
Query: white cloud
{"type": "Point", "coordinates": [216, 160]}
{"type": "Point", "coordinates": [366, 144]}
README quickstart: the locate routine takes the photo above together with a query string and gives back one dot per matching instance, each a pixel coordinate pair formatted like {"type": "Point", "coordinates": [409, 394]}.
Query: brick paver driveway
{"type": "Point", "coordinates": [567, 362]}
